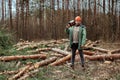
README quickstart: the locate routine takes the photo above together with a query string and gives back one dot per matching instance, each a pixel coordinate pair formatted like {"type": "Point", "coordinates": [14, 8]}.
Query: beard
{"type": "Point", "coordinates": [77, 24]}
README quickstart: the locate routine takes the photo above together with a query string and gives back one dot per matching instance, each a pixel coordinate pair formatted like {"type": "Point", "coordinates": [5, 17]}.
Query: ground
{"type": "Point", "coordinates": [94, 70]}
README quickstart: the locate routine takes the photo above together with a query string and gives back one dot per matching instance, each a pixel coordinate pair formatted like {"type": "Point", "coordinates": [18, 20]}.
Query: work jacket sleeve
{"type": "Point", "coordinates": [67, 31]}
{"type": "Point", "coordinates": [83, 36]}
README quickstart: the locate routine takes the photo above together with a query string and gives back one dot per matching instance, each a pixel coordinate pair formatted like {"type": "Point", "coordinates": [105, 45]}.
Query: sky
{"type": "Point", "coordinates": [71, 5]}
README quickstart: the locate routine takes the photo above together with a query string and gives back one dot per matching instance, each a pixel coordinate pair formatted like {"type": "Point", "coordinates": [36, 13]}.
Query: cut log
{"type": "Point", "coordinates": [66, 58]}
{"type": "Point", "coordinates": [66, 47]}
{"type": "Point", "coordinates": [43, 63]}
{"type": "Point", "coordinates": [8, 72]}
{"type": "Point", "coordinates": [65, 40]}
{"type": "Point", "coordinates": [22, 71]}
{"type": "Point", "coordinates": [16, 57]}
{"type": "Point", "coordinates": [66, 53]}
{"type": "Point", "coordinates": [103, 57]}
{"type": "Point", "coordinates": [62, 60]}
{"type": "Point", "coordinates": [94, 43]}
{"type": "Point", "coordinates": [56, 55]}
{"type": "Point", "coordinates": [60, 51]}
{"type": "Point", "coordinates": [86, 52]}
{"type": "Point", "coordinates": [107, 62]}
{"type": "Point", "coordinates": [22, 43]}
{"type": "Point", "coordinates": [28, 74]}
{"type": "Point", "coordinates": [32, 45]}
{"type": "Point", "coordinates": [18, 64]}
{"type": "Point", "coordinates": [115, 51]}
{"type": "Point", "coordinates": [89, 42]}
{"type": "Point", "coordinates": [109, 52]}
{"type": "Point", "coordinates": [100, 49]}
{"type": "Point", "coordinates": [38, 50]}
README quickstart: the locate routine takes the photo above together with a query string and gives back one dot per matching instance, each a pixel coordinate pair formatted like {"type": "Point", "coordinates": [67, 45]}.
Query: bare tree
{"type": "Point", "coordinates": [17, 17]}
{"type": "Point", "coordinates": [2, 12]}
{"type": "Point", "coordinates": [10, 11]}
{"type": "Point", "coordinates": [104, 7]}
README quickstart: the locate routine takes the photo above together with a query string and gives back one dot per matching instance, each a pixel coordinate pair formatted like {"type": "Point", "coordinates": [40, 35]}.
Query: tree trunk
{"type": "Point", "coordinates": [115, 51]}
{"type": "Point", "coordinates": [43, 63]}
{"type": "Point", "coordinates": [17, 18]}
{"type": "Point", "coordinates": [8, 72]}
{"type": "Point", "coordinates": [10, 9]}
{"type": "Point", "coordinates": [87, 52]}
{"type": "Point", "coordinates": [104, 7]}
{"type": "Point", "coordinates": [27, 19]}
{"type": "Point", "coordinates": [38, 50]}
{"type": "Point", "coordinates": [103, 57]}
{"type": "Point", "coordinates": [17, 57]}
{"type": "Point", "coordinates": [65, 53]}
{"type": "Point", "coordinates": [61, 61]}
{"type": "Point", "coordinates": [2, 21]}
{"type": "Point", "coordinates": [28, 74]}
{"type": "Point", "coordinates": [109, 6]}
{"type": "Point", "coordinates": [78, 7]}
{"type": "Point", "coordinates": [21, 72]}
{"type": "Point", "coordinates": [100, 49]}
{"type": "Point", "coordinates": [112, 8]}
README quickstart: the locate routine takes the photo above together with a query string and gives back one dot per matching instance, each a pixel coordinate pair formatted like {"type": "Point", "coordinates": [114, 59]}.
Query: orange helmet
{"type": "Point", "coordinates": [78, 18]}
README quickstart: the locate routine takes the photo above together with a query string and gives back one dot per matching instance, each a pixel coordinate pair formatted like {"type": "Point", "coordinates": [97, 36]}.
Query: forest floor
{"type": "Point", "coordinates": [94, 70]}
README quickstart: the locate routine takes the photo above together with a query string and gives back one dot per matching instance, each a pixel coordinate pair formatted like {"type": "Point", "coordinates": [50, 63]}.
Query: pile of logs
{"type": "Point", "coordinates": [54, 56]}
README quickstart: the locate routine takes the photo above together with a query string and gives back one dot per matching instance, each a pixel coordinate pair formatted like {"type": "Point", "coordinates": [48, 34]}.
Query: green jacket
{"type": "Point", "coordinates": [82, 35]}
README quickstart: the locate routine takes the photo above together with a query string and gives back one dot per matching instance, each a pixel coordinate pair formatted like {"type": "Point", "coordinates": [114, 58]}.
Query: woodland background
{"type": "Point", "coordinates": [46, 19]}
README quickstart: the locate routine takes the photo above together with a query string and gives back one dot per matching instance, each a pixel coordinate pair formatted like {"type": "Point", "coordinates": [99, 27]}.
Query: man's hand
{"type": "Point", "coordinates": [82, 46]}
{"type": "Point", "coordinates": [68, 26]}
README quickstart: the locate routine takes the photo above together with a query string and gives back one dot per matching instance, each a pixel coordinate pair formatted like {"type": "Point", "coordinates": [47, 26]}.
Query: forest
{"type": "Point", "coordinates": [35, 46]}
{"type": "Point", "coordinates": [31, 19]}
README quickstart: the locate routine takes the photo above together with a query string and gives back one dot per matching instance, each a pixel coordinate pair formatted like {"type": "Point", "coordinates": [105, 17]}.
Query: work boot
{"type": "Point", "coordinates": [83, 67]}
{"type": "Point", "coordinates": [72, 66]}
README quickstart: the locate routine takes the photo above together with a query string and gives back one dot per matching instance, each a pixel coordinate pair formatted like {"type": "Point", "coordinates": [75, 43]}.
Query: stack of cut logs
{"type": "Point", "coordinates": [52, 55]}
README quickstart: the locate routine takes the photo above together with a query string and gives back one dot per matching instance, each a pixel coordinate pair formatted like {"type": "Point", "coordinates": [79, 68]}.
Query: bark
{"type": "Point", "coordinates": [103, 57]}
{"type": "Point", "coordinates": [115, 51]}
{"type": "Point", "coordinates": [100, 49]}
{"type": "Point", "coordinates": [2, 12]}
{"type": "Point", "coordinates": [17, 57]}
{"type": "Point", "coordinates": [27, 19]}
{"type": "Point", "coordinates": [31, 67]}
{"type": "Point", "coordinates": [60, 51]}
{"type": "Point", "coordinates": [10, 9]}
{"type": "Point", "coordinates": [88, 52]}
{"type": "Point", "coordinates": [56, 55]}
{"type": "Point", "coordinates": [61, 61]}
{"type": "Point", "coordinates": [28, 46]}
{"type": "Point", "coordinates": [91, 45]}
{"type": "Point", "coordinates": [22, 43]}
{"type": "Point", "coordinates": [28, 74]}
{"type": "Point", "coordinates": [8, 72]}
{"type": "Point", "coordinates": [38, 50]}
{"type": "Point", "coordinates": [22, 24]}
{"type": "Point", "coordinates": [104, 7]}
{"type": "Point", "coordinates": [66, 53]}
{"type": "Point", "coordinates": [89, 42]}
{"type": "Point", "coordinates": [22, 71]}
{"type": "Point", "coordinates": [17, 17]}
{"type": "Point", "coordinates": [43, 63]}
{"type": "Point", "coordinates": [66, 58]}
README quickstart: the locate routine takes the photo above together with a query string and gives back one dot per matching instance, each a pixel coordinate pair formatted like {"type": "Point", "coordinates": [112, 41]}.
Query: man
{"type": "Point", "coordinates": [77, 36]}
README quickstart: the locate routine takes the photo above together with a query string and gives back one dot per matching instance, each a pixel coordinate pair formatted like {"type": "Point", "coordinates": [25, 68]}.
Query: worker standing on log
{"type": "Point", "coordinates": [77, 36]}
